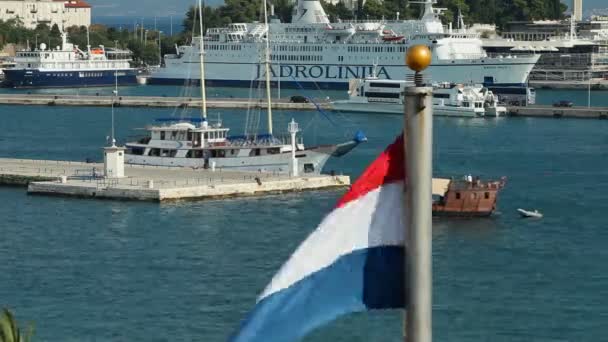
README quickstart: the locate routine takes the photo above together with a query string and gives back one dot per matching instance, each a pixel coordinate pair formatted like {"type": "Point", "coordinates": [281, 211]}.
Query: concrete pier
{"type": "Point", "coordinates": [149, 183]}
{"type": "Point", "coordinates": [148, 101]}
{"type": "Point", "coordinates": [559, 112]}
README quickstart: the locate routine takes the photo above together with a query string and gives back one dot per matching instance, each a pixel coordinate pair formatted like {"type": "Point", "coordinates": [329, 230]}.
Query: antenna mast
{"type": "Point", "coordinates": [202, 61]}
{"type": "Point", "coordinates": [114, 94]}
{"type": "Point", "coordinates": [267, 63]}
{"type": "Point", "coordinates": [88, 41]}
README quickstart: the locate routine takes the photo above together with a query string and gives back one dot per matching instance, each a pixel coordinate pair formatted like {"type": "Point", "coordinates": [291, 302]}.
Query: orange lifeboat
{"type": "Point", "coordinates": [97, 51]}
{"type": "Point", "coordinates": [392, 38]}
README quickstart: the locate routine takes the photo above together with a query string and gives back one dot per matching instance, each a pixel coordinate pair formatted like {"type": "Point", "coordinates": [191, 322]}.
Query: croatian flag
{"type": "Point", "coordinates": [353, 261]}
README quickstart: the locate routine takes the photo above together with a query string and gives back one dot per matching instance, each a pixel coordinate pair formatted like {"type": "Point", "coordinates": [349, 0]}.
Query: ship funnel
{"type": "Point", "coordinates": [309, 12]}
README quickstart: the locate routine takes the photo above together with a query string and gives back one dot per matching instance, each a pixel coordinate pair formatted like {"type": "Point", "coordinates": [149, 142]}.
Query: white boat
{"type": "Point", "coordinates": [68, 66]}
{"type": "Point", "coordinates": [373, 95]}
{"type": "Point", "coordinates": [311, 52]}
{"type": "Point", "coordinates": [184, 144]}
{"type": "Point", "coordinates": [532, 214]}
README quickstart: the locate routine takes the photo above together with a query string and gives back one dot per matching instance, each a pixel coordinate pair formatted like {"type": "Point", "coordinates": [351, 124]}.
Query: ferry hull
{"type": "Point", "coordinates": [24, 78]}
{"type": "Point", "coordinates": [490, 72]}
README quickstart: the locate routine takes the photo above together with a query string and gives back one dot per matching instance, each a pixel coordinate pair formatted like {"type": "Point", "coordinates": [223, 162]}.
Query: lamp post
{"type": "Point", "coordinates": [589, 90]}
{"type": "Point", "coordinates": [160, 49]}
{"type": "Point", "coordinates": [418, 142]}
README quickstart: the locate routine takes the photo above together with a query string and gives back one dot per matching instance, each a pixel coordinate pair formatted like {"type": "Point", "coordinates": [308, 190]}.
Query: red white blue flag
{"type": "Point", "coordinates": [353, 261]}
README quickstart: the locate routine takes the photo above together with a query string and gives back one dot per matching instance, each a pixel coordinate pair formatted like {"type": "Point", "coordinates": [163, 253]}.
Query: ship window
{"type": "Point", "coordinates": [162, 135]}
{"type": "Point", "coordinates": [254, 152]}
{"type": "Point", "coordinates": [486, 195]}
{"type": "Point", "coordinates": [441, 96]}
{"type": "Point", "coordinates": [168, 153]}
{"type": "Point", "coordinates": [189, 135]}
{"type": "Point", "coordinates": [465, 104]}
{"type": "Point", "coordinates": [309, 168]}
{"type": "Point", "coordinates": [138, 151]}
{"type": "Point", "coordinates": [385, 85]}
{"type": "Point", "coordinates": [382, 95]}
{"type": "Point", "coordinates": [458, 195]}
{"type": "Point", "coordinates": [274, 150]}
{"type": "Point", "coordinates": [154, 152]}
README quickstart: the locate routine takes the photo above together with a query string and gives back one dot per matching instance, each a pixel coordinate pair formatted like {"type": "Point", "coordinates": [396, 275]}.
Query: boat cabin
{"type": "Point", "coordinates": [185, 140]}
{"type": "Point", "coordinates": [467, 198]}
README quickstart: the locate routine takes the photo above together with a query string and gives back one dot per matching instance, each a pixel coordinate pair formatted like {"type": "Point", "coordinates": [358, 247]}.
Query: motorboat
{"type": "Point", "coordinates": [374, 95]}
{"type": "Point", "coordinates": [529, 214]}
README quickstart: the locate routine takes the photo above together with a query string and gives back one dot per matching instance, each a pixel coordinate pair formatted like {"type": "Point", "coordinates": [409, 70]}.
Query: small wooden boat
{"type": "Point", "coordinates": [465, 198]}
{"type": "Point", "coordinates": [527, 214]}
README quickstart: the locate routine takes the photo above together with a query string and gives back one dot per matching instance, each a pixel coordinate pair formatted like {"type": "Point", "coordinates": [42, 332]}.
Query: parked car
{"type": "Point", "coordinates": [298, 99]}
{"type": "Point", "coordinates": [563, 103]}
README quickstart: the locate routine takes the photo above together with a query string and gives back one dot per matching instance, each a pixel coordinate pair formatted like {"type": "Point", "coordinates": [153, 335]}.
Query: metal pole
{"type": "Point", "coordinates": [160, 49]}
{"type": "Point", "coordinates": [202, 62]}
{"type": "Point", "coordinates": [419, 166]}
{"type": "Point", "coordinates": [267, 65]}
{"type": "Point", "coordinates": [589, 91]}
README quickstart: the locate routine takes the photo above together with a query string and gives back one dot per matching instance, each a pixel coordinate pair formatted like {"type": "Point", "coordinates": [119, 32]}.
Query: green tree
{"type": "Point", "coordinates": [283, 9]}
{"type": "Point", "coordinates": [337, 11]}
{"type": "Point", "coordinates": [401, 6]}
{"type": "Point", "coordinates": [373, 9]}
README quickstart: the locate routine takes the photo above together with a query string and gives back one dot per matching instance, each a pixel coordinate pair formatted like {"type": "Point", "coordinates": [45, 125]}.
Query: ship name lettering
{"type": "Point", "coordinates": [327, 72]}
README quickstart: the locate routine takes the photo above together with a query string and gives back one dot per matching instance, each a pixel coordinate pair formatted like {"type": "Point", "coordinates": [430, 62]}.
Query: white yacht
{"type": "Point", "coordinates": [184, 144]}
{"type": "Point", "coordinates": [68, 66]}
{"type": "Point", "coordinates": [374, 95]}
{"type": "Point", "coordinates": [312, 52]}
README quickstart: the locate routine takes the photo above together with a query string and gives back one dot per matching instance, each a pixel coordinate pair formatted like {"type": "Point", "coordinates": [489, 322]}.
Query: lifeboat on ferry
{"type": "Point", "coordinates": [97, 51]}
{"type": "Point", "coordinates": [340, 30]}
{"type": "Point", "coordinates": [391, 36]}
{"type": "Point", "coordinates": [369, 28]}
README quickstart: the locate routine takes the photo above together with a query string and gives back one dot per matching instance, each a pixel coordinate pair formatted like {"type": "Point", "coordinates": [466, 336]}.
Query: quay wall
{"type": "Point", "coordinates": [147, 101]}
{"type": "Point", "coordinates": [559, 112]}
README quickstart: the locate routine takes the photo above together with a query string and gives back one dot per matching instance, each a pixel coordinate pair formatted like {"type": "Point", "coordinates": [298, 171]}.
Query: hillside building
{"type": "Point", "coordinates": [64, 13]}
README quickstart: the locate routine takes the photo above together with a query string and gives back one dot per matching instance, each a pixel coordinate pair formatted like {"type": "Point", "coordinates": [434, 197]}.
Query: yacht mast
{"type": "Point", "coordinates": [267, 62]}
{"type": "Point", "coordinates": [114, 94]}
{"type": "Point", "coordinates": [202, 62]}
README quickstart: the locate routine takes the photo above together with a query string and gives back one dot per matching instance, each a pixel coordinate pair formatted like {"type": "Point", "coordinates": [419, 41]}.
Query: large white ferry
{"type": "Point", "coordinates": [68, 66]}
{"type": "Point", "coordinates": [312, 52]}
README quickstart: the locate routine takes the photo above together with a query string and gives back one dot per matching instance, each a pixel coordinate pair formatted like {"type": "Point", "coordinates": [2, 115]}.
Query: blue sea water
{"type": "Point", "coordinates": [89, 270]}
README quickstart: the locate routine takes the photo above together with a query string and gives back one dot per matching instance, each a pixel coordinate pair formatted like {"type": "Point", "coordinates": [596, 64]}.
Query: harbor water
{"type": "Point", "coordinates": [92, 270]}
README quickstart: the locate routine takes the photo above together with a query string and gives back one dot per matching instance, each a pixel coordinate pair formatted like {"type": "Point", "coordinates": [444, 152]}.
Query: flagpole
{"type": "Point", "coordinates": [419, 166]}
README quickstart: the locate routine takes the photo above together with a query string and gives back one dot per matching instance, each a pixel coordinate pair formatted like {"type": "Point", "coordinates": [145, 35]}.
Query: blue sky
{"type": "Point", "coordinates": [163, 8]}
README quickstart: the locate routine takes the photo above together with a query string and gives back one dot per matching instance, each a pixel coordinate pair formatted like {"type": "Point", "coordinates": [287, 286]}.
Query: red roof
{"type": "Point", "coordinates": [74, 3]}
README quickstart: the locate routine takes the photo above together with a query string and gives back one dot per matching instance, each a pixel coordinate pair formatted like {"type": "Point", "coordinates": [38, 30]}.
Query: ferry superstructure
{"type": "Point", "coordinates": [312, 52]}
{"type": "Point", "coordinates": [68, 66]}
